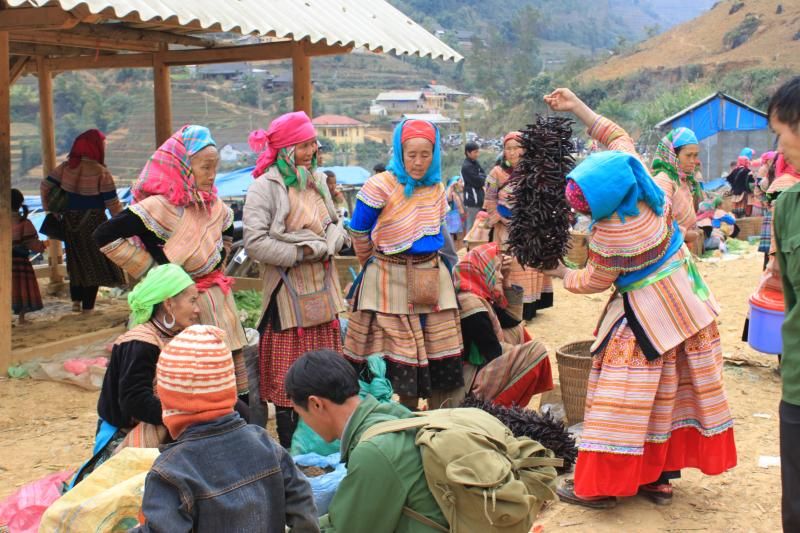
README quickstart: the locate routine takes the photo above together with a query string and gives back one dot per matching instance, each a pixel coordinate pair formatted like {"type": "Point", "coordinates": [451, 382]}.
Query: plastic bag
{"type": "Point", "coordinates": [323, 487]}
{"type": "Point", "coordinates": [306, 441]}
{"type": "Point", "coordinates": [22, 511]}
{"type": "Point", "coordinates": [109, 499]}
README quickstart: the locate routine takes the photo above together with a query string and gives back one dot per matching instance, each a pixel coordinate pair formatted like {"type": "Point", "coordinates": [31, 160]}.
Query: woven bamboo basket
{"type": "Point", "coordinates": [574, 363]}
{"type": "Point", "coordinates": [578, 249]}
{"type": "Point", "coordinates": [749, 227]}
{"type": "Point", "coordinates": [697, 247]}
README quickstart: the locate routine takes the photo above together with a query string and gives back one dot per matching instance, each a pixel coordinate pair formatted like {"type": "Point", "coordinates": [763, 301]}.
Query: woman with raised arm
{"type": "Point", "coordinates": [656, 402]}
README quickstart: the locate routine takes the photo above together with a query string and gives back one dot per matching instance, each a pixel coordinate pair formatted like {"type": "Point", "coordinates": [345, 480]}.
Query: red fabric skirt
{"type": "Point", "coordinates": [25, 295]}
{"type": "Point", "coordinates": [278, 350]}
{"type": "Point", "coordinates": [610, 474]}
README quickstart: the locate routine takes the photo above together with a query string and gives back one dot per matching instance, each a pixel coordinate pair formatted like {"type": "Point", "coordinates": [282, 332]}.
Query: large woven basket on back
{"type": "Point", "coordinates": [574, 363]}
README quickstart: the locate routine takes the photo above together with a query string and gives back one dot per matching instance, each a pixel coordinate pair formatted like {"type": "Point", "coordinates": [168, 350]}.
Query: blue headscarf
{"type": "Point", "coordinates": [396, 166]}
{"type": "Point", "coordinates": [683, 137]}
{"type": "Point", "coordinates": [747, 152]}
{"type": "Point", "coordinates": [195, 138]}
{"type": "Point", "coordinates": [615, 182]}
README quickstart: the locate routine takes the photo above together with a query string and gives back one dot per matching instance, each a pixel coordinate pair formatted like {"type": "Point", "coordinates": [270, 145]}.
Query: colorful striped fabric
{"type": "Point", "coordinates": [218, 308]}
{"type": "Point", "coordinates": [531, 280]}
{"type": "Point", "coordinates": [192, 235]}
{"type": "Point", "coordinates": [90, 178]}
{"type": "Point", "coordinates": [496, 191]}
{"type": "Point", "coordinates": [403, 220]}
{"type": "Point", "coordinates": [147, 333]}
{"type": "Point", "coordinates": [682, 201]}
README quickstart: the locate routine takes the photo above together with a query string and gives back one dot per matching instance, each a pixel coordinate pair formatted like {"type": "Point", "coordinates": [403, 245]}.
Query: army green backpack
{"type": "Point", "coordinates": [483, 478]}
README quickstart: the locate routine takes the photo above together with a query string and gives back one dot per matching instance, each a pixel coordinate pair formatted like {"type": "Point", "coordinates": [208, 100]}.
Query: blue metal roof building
{"type": "Point", "coordinates": [723, 125]}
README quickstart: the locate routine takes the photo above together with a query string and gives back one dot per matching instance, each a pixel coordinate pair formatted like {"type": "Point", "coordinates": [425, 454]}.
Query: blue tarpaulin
{"type": "Point", "coordinates": [233, 184]}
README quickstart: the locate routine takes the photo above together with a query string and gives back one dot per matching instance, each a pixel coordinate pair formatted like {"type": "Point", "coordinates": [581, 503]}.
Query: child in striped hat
{"type": "Point", "coordinates": [220, 474]}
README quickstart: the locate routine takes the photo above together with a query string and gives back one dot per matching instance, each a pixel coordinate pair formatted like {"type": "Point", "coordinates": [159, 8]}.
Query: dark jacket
{"type": "Point", "coordinates": [384, 474]}
{"type": "Point", "coordinates": [474, 181]}
{"type": "Point", "coordinates": [225, 475]}
{"type": "Point", "coordinates": [127, 395]}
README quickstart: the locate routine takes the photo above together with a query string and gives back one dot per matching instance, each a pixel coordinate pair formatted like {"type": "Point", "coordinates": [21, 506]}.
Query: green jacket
{"type": "Point", "coordinates": [787, 242]}
{"type": "Point", "coordinates": [384, 474]}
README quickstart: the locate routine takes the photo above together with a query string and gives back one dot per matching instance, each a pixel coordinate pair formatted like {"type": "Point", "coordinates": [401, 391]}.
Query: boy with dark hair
{"type": "Point", "coordinates": [474, 181]}
{"type": "Point", "coordinates": [384, 474]}
{"type": "Point", "coordinates": [784, 119]}
{"type": "Point", "coordinates": [220, 474]}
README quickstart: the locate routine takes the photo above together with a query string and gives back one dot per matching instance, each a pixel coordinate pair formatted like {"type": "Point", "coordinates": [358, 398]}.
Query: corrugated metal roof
{"type": "Point", "coordinates": [399, 96]}
{"type": "Point", "coordinates": [372, 24]}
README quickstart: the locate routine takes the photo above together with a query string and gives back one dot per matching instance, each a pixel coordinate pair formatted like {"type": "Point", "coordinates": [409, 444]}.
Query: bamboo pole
{"type": "Point", "coordinates": [5, 204]}
{"type": "Point", "coordinates": [162, 92]}
{"type": "Point", "coordinates": [48, 137]}
{"type": "Point", "coordinates": [301, 78]}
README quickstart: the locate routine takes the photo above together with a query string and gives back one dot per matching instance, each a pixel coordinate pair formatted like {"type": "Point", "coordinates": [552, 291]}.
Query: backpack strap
{"type": "Point", "coordinates": [534, 462]}
{"type": "Point", "coordinates": [393, 426]}
{"type": "Point", "coordinates": [422, 519]}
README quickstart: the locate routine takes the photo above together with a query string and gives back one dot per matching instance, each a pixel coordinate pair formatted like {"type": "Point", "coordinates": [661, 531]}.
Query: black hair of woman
{"type": "Point", "coordinates": [18, 202]}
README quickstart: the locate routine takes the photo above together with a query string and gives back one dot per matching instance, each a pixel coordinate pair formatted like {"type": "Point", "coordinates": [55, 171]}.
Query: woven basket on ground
{"type": "Point", "coordinates": [749, 227]}
{"type": "Point", "coordinates": [697, 247]}
{"type": "Point", "coordinates": [578, 249]}
{"type": "Point", "coordinates": [574, 363]}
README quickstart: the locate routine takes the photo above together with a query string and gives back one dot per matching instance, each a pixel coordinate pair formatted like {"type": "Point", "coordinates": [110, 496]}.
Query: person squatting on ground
{"type": "Point", "coordinates": [384, 474]}
{"type": "Point", "coordinates": [197, 483]}
{"type": "Point", "coordinates": [290, 227]}
{"type": "Point", "coordinates": [656, 401]}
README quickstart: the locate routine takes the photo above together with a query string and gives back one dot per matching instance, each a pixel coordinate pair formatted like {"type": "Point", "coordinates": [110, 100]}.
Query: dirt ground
{"type": "Point", "coordinates": [46, 427]}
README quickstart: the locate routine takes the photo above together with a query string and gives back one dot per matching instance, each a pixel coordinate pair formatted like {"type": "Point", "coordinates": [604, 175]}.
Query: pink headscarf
{"type": "Point", "coordinates": [286, 130]}
{"type": "Point", "coordinates": [782, 167]}
{"type": "Point", "coordinates": [516, 135]}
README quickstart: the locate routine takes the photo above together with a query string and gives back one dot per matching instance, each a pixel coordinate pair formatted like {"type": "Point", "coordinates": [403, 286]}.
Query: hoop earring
{"type": "Point", "coordinates": [169, 325]}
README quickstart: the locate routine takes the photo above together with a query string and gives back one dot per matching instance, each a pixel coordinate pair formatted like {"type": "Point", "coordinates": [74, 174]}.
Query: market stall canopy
{"type": "Point", "coordinates": [374, 25]}
{"type": "Point", "coordinates": [234, 184]}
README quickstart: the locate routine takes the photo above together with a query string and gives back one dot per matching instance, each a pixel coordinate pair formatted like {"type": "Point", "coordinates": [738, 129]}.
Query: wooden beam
{"type": "Point", "coordinates": [222, 54]}
{"type": "Point", "coordinates": [248, 284]}
{"type": "Point", "coordinates": [80, 41]}
{"type": "Point", "coordinates": [162, 92]}
{"type": "Point", "coordinates": [5, 203]}
{"type": "Point", "coordinates": [118, 31]}
{"type": "Point", "coordinates": [36, 18]}
{"type": "Point", "coordinates": [96, 62]}
{"type": "Point", "coordinates": [32, 49]}
{"type": "Point", "coordinates": [301, 78]}
{"type": "Point", "coordinates": [18, 68]}
{"type": "Point", "coordinates": [47, 128]}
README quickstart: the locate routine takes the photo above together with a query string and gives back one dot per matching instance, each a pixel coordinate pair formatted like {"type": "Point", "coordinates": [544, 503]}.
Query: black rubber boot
{"type": "Point", "coordinates": [286, 421]}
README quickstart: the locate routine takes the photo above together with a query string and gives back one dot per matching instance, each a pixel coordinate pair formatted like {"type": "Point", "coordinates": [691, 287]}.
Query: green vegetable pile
{"type": "Point", "coordinates": [249, 305]}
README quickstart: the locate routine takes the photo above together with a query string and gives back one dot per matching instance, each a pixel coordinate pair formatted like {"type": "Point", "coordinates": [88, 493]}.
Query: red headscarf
{"type": "Point", "coordinates": [418, 129]}
{"type": "Point", "coordinates": [286, 130]}
{"type": "Point", "coordinates": [89, 145]}
{"type": "Point", "coordinates": [477, 273]}
{"type": "Point", "coordinates": [516, 135]}
{"type": "Point", "coordinates": [576, 199]}
{"type": "Point", "coordinates": [782, 168]}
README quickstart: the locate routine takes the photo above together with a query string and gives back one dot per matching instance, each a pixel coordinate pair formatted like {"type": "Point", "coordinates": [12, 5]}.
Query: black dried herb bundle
{"type": "Point", "coordinates": [539, 230]}
{"type": "Point", "coordinates": [544, 429]}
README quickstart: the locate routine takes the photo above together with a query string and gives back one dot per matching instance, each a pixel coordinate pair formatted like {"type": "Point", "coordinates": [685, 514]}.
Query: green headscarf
{"type": "Point", "coordinates": [162, 282]}
{"type": "Point", "coordinates": [294, 176]}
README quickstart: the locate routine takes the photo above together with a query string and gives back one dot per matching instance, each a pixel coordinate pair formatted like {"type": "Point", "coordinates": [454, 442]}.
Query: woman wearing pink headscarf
{"type": "Point", "coordinates": [291, 228]}
{"type": "Point", "coordinates": [538, 288]}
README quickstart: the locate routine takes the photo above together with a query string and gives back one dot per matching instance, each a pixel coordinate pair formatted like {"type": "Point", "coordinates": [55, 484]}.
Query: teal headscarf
{"type": "Point", "coordinates": [162, 282]}
{"type": "Point", "coordinates": [615, 182]}
{"type": "Point", "coordinates": [398, 168]}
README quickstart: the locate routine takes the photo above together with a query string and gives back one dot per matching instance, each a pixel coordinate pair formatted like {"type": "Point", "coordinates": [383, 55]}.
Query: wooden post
{"type": "Point", "coordinates": [162, 92]}
{"type": "Point", "coordinates": [5, 204]}
{"type": "Point", "coordinates": [301, 78]}
{"type": "Point", "coordinates": [48, 137]}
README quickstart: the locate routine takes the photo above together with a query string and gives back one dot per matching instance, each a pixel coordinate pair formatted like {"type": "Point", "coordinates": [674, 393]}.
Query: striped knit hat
{"type": "Point", "coordinates": [195, 378]}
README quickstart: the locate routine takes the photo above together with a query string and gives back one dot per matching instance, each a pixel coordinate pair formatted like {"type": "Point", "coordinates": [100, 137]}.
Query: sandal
{"type": "Point", "coordinates": [658, 493]}
{"type": "Point", "coordinates": [566, 493]}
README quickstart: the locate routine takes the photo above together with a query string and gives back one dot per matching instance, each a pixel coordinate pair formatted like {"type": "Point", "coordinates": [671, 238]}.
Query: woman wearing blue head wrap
{"type": "Point", "coordinates": [674, 166]}
{"type": "Point", "coordinates": [656, 402]}
{"type": "Point", "coordinates": [404, 302]}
